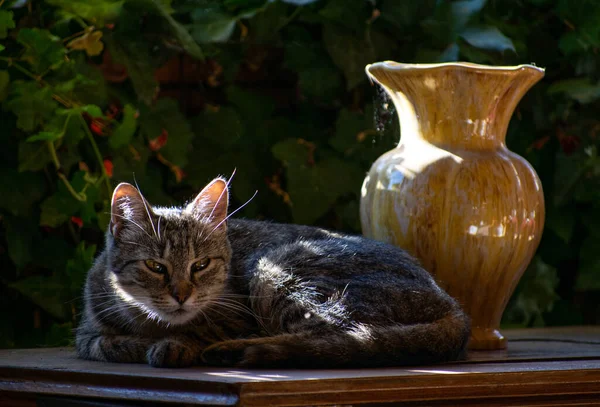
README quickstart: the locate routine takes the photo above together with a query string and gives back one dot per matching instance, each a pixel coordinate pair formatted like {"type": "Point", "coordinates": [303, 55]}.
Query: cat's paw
{"type": "Point", "coordinates": [171, 353]}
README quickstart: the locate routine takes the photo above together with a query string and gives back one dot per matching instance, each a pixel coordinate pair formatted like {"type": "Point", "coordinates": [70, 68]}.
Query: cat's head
{"type": "Point", "coordinates": [169, 263]}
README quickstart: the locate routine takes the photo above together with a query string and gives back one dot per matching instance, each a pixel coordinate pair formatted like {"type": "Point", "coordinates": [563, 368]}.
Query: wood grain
{"type": "Point", "coordinates": [533, 371]}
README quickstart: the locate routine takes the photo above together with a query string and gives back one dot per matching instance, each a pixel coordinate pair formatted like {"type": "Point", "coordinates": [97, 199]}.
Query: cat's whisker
{"type": "Point", "coordinates": [231, 214]}
{"type": "Point", "coordinates": [225, 316]}
{"type": "Point", "coordinates": [109, 312]}
{"type": "Point", "coordinates": [244, 310]}
{"type": "Point", "coordinates": [147, 210]}
{"type": "Point", "coordinates": [235, 306]}
{"type": "Point", "coordinates": [206, 317]}
{"type": "Point", "coordinates": [243, 296]}
{"type": "Point", "coordinates": [159, 236]}
{"type": "Point", "coordinates": [223, 192]}
{"type": "Point", "coordinates": [136, 244]}
{"type": "Point", "coordinates": [134, 222]}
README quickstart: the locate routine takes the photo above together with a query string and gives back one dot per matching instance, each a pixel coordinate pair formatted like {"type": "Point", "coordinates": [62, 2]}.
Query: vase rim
{"type": "Point", "coordinates": [469, 66]}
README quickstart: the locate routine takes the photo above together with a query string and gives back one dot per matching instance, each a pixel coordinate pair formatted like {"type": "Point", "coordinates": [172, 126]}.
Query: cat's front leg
{"type": "Point", "coordinates": [112, 348]}
{"type": "Point", "coordinates": [257, 352]}
{"type": "Point", "coordinates": [175, 351]}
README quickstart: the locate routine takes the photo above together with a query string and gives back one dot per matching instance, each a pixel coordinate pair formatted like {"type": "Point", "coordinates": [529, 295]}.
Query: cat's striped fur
{"type": "Point", "coordinates": [272, 294]}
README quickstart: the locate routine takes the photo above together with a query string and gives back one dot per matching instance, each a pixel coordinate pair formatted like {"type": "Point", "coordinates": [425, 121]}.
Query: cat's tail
{"type": "Point", "coordinates": [363, 345]}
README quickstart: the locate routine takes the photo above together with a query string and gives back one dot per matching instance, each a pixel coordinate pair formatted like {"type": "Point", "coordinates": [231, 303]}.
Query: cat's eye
{"type": "Point", "coordinates": [155, 266]}
{"type": "Point", "coordinates": [200, 265]}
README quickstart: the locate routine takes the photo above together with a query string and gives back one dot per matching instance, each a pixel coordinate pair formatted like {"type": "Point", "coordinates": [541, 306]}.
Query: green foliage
{"type": "Point", "coordinates": [175, 92]}
{"type": "Point", "coordinates": [6, 22]}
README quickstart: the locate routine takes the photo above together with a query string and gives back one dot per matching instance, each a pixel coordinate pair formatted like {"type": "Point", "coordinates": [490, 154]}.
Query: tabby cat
{"type": "Point", "coordinates": [187, 286]}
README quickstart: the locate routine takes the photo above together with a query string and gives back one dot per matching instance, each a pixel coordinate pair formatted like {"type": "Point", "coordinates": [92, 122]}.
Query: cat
{"type": "Point", "coordinates": [184, 286]}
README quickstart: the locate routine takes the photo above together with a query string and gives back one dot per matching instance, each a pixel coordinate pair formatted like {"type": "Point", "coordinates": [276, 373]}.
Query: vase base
{"type": "Point", "coordinates": [486, 339]}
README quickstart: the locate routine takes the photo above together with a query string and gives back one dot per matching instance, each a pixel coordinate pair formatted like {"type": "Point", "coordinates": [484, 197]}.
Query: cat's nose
{"type": "Point", "coordinates": [181, 293]}
{"type": "Point", "coordinates": [180, 298]}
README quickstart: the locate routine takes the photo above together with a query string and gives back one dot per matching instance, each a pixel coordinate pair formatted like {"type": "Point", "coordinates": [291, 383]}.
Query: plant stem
{"type": "Point", "coordinates": [52, 150]}
{"type": "Point", "coordinates": [289, 19]}
{"type": "Point", "coordinates": [80, 21]}
{"type": "Point", "coordinates": [11, 62]}
{"type": "Point", "coordinates": [97, 152]}
{"type": "Point", "coordinates": [70, 188]}
{"type": "Point", "coordinates": [56, 162]}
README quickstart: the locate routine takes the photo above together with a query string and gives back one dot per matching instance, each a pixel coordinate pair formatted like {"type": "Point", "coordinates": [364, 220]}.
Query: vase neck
{"type": "Point", "coordinates": [455, 106]}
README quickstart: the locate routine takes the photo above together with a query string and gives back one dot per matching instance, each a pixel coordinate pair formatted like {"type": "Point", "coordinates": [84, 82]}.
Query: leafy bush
{"type": "Point", "coordinates": [173, 92]}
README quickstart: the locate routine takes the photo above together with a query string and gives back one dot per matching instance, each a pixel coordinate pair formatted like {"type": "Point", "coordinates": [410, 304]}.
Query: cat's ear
{"type": "Point", "coordinates": [211, 203]}
{"type": "Point", "coordinates": [127, 205]}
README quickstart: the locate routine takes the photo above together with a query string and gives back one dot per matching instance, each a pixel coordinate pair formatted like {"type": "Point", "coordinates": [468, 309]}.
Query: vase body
{"type": "Point", "coordinates": [451, 193]}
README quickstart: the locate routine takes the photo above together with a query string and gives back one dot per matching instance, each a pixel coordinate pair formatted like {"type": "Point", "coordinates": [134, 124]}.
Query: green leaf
{"type": "Point", "coordinates": [314, 188]}
{"type": "Point", "coordinates": [52, 253]}
{"type": "Point", "coordinates": [537, 291]}
{"type": "Point", "coordinates": [78, 266]}
{"type": "Point", "coordinates": [46, 292]}
{"type": "Point", "coordinates": [60, 127]}
{"type": "Point", "coordinates": [406, 14]}
{"type": "Point", "coordinates": [22, 236]}
{"type": "Point", "coordinates": [268, 22]}
{"type": "Point", "coordinates": [449, 19]}
{"type": "Point", "coordinates": [32, 104]}
{"type": "Point", "coordinates": [317, 76]}
{"type": "Point", "coordinates": [53, 212]}
{"type": "Point", "coordinates": [462, 11]}
{"type": "Point", "coordinates": [4, 82]}
{"type": "Point", "coordinates": [223, 127]}
{"type": "Point", "coordinates": [321, 82]}
{"type": "Point", "coordinates": [60, 207]}
{"type": "Point", "coordinates": [450, 54]}
{"type": "Point", "coordinates": [183, 36]}
{"type": "Point", "coordinates": [562, 222]}
{"type": "Point", "coordinates": [349, 53]}
{"type": "Point", "coordinates": [253, 107]}
{"type": "Point", "coordinates": [212, 25]}
{"type": "Point", "coordinates": [45, 136]}
{"type": "Point", "coordinates": [349, 128]}
{"type": "Point", "coordinates": [16, 199]}
{"type": "Point", "coordinates": [6, 22]}
{"type": "Point", "coordinates": [43, 50]}
{"type": "Point", "coordinates": [299, 2]}
{"type": "Point", "coordinates": [92, 110]}
{"type": "Point", "coordinates": [583, 35]}
{"type": "Point", "coordinates": [487, 38]}
{"type": "Point", "coordinates": [103, 215]}
{"type": "Point", "coordinates": [33, 157]}
{"type": "Point", "coordinates": [84, 82]}
{"type": "Point", "coordinates": [125, 130]}
{"type": "Point", "coordinates": [136, 58]}
{"type": "Point", "coordinates": [166, 116]}
{"type": "Point", "coordinates": [582, 90]}
{"type": "Point", "coordinates": [96, 11]}
{"type": "Point", "coordinates": [588, 278]}
{"type": "Point", "coordinates": [350, 14]}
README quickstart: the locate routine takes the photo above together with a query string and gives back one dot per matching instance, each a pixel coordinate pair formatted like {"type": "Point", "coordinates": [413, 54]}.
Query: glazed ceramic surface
{"type": "Point", "coordinates": [451, 192]}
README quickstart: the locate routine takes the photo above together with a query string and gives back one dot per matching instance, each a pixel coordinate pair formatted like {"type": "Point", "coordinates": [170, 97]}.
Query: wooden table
{"type": "Point", "coordinates": [542, 367]}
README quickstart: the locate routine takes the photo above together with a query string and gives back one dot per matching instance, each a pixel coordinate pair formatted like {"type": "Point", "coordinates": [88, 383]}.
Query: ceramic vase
{"type": "Point", "coordinates": [451, 193]}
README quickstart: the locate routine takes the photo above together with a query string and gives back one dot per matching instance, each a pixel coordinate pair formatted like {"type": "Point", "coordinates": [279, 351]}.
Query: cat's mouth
{"type": "Point", "coordinates": [178, 316]}
{"type": "Point", "coordinates": [179, 311]}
